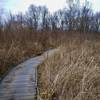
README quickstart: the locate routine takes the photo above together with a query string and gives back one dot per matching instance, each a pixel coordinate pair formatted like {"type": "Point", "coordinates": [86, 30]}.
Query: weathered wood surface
{"type": "Point", "coordinates": [21, 82]}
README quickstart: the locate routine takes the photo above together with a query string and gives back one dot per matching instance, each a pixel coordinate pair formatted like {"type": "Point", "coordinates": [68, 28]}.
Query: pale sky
{"type": "Point", "coordinates": [16, 6]}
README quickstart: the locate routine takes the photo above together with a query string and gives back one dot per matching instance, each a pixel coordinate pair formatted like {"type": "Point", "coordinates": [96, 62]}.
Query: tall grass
{"type": "Point", "coordinates": [18, 45]}
{"type": "Point", "coordinates": [73, 73]}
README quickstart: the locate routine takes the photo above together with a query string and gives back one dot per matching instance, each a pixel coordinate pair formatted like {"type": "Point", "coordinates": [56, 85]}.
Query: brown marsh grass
{"type": "Point", "coordinates": [19, 45]}
{"type": "Point", "coordinates": [73, 73]}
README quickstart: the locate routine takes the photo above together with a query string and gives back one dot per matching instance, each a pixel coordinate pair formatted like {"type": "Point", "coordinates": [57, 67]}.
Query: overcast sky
{"type": "Point", "coordinates": [22, 5]}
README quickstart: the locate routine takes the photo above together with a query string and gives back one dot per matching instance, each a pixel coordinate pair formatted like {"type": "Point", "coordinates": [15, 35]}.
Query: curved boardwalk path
{"type": "Point", "coordinates": [21, 82]}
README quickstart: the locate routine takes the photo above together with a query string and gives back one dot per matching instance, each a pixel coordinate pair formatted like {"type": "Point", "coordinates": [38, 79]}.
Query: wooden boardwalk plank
{"type": "Point", "coordinates": [21, 82]}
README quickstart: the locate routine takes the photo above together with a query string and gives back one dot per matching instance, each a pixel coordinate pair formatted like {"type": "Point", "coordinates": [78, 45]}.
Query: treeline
{"type": "Point", "coordinates": [39, 19]}
{"type": "Point", "coordinates": [74, 17]}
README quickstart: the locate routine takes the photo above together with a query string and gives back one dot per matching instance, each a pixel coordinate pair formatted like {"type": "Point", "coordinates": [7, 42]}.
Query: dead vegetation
{"type": "Point", "coordinates": [15, 48]}
{"type": "Point", "coordinates": [73, 73]}
{"type": "Point", "coordinates": [23, 35]}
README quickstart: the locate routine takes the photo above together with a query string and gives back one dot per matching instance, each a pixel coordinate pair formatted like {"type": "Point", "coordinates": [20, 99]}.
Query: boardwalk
{"type": "Point", "coordinates": [20, 83]}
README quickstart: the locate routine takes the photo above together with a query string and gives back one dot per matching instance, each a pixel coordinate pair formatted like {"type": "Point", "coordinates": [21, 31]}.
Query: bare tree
{"type": "Point", "coordinates": [97, 21]}
{"type": "Point", "coordinates": [33, 16]}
